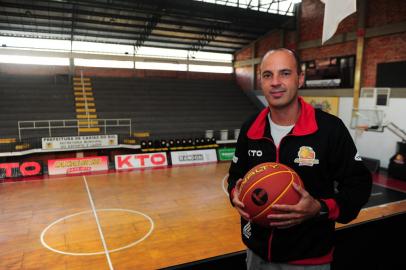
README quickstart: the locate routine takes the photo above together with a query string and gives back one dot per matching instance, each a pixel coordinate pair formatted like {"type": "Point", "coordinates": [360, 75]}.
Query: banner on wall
{"type": "Point", "coordinates": [77, 165]}
{"type": "Point", "coordinates": [138, 161]}
{"type": "Point", "coordinates": [78, 142]}
{"type": "Point", "coordinates": [16, 169]}
{"type": "Point", "coordinates": [193, 157]}
{"type": "Point", "coordinates": [327, 104]}
{"type": "Point", "coordinates": [226, 154]}
{"type": "Point", "coordinates": [334, 13]}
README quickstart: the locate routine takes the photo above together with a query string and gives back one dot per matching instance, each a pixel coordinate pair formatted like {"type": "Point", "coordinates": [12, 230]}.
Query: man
{"type": "Point", "coordinates": [320, 149]}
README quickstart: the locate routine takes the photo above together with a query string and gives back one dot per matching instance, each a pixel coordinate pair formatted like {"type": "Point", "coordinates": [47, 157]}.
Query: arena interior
{"type": "Point", "coordinates": [119, 120]}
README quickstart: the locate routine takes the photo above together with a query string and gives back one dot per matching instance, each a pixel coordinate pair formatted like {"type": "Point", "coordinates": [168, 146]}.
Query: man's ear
{"type": "Point", "coordinates": [301, 79]}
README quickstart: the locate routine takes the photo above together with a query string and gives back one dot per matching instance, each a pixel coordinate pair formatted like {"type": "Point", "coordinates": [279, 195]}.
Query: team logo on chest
{"type": "Point", "coordinates": [306, 156]}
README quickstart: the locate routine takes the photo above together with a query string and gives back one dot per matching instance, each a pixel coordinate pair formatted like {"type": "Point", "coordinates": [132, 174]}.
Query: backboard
{"type": "Point", "coordinates": [367, 119]}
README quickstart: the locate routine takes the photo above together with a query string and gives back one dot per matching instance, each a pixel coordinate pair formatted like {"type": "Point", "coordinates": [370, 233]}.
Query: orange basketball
{"type": "Point", "coordinates": [267, 184]}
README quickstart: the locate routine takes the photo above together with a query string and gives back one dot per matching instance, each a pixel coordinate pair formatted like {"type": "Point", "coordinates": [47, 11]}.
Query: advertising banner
{"type": "Point", "coordinates": [77, 165]}
{"type": "Point", "coordinates": [16, 169]}
{"type": "Point", "coordinates": [226, 154]}
{"type": "Point", "coordinates": [137, 161]}
{"type": "Point", "coordinates": [193, 156]}
{"type": "Point", "coordinates": [78, 142]}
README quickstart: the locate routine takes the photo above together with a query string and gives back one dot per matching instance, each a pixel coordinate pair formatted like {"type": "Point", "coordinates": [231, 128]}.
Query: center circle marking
{"type": "Point", "coordinates": [101, 252]}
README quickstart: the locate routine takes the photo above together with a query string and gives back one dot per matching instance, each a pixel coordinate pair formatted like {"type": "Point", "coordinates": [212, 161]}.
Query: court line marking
{"type": "Point", "coordinates": [98, 224]}
{"type": "Point", "coordinates": [223, 181]}
{"type": "Point", "coordinates": [101, 252]}
{"type": "Point", "coordinates": [383, 205]}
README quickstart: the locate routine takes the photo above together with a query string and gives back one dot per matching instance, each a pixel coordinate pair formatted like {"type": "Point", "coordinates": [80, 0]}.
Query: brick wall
{"type": "Point", "coordinates": [273, 40]}
{"type": "Point", "coordinates": [243, 76]}
{"type": "Point", "coordinates": [111, 72]}
{"type": "Point", "coordinates": [383, 12]}
{"type": "Point", "coordinates": [388, 48]}
{"type": "Point", "coordinates": [382, 50]}
{"type": "Point", "coordinates": [17, 69]}
{"type": "Point", "coordinates": [342, 49]}
{"type": "Point", "coordinates": [244, 54]}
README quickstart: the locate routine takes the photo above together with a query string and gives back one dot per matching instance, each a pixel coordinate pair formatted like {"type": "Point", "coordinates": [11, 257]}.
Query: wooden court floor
{"type": "Point", "coordinates": [147, 219]}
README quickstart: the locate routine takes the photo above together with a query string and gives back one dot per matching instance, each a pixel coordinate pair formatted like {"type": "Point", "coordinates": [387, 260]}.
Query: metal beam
{"type": "Point", "coordinates": [207, 37]}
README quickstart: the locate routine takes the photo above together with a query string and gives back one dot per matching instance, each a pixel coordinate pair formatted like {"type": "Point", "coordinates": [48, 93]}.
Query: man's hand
{"type": "Point", "coordinates": [237, 203]}
{"type": "Point", "coordinates": [290, 215]}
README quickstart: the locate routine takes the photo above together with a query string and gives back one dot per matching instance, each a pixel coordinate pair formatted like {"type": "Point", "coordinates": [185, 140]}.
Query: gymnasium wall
{"type": "Point", "coordinates": [385, 39]}
{"type": "Point", "coordinates": [372, 144]}
{"type": "Point", "coordinates": [385, 24]}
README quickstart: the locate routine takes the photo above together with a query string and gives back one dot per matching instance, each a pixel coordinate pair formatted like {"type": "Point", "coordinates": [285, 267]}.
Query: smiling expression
{"type": "Point", "coordinates": [279, 79]}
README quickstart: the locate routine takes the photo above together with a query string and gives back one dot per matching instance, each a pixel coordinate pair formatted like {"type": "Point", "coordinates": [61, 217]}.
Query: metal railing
{"type": "Point", "coordinates": [51, 125]}
{"type": "Point", "coordinates": [396, 130]}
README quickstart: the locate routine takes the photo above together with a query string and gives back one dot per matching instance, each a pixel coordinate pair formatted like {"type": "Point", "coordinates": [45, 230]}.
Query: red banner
{"type": "Point", "coordinates": [15, 169]}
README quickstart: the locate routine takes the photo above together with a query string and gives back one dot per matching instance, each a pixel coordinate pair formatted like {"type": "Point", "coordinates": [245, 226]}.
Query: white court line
{"type": "Point", "coordinates": [43, 242]}
{"type": "Point", "coordinates": [223, 184]}
{"type": "Point", "coordinates": [382, 205]}
{"type": "Point", "coordinates": [98, 225]}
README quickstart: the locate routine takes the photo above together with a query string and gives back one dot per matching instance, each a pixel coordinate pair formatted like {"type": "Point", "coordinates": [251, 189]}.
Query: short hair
{"type": "Point", "coordinates": [295, 55]}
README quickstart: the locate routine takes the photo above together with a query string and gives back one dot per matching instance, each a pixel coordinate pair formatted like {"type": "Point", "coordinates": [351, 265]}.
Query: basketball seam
{"type": "Point", "coordinates": [280, 195]}
{"type": "Point", "coordinates": [261, 179]}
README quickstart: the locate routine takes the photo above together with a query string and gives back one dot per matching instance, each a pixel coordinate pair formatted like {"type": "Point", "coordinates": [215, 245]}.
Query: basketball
{"type": "Point", "coordinates": [267, 184]}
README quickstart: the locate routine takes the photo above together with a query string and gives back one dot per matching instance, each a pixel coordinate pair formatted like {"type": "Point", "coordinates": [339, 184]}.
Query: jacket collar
{"type": "Point", "coordinates": [306, 123]}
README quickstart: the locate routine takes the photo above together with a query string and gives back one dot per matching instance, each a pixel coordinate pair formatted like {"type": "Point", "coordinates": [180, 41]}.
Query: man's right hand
{"type": "Point", "coordinates": [237, 203]}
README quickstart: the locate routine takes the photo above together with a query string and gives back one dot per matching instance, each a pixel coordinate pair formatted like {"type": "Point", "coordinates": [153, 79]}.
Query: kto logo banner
{"type": "Point", "coordinates": [137, 161]}
{"type": "Point", "coordinates": [16, 169]}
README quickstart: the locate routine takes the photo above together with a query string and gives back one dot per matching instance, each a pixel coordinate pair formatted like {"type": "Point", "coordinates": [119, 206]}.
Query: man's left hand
{"type": "Point", "coordinates": [290, 215]}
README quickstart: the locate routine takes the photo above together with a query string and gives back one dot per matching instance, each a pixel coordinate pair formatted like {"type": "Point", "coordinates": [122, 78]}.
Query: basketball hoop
{"type": "Point", "coordinates": [359, 130]}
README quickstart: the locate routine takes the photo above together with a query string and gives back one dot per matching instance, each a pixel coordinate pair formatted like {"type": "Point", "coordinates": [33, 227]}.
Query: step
{"type": "Point", "coordinates": [79, 79]}
{"type": "Point", "coordinates": [86, 116]}
{"type": "Point", "coordinates": [89, 129]}
{"type": "Point", "coordinates": [77, 88]}
{"type": "Point", "coordinates": [7, 140]}
{"type": "Point", "coordinates": [84, 98]}
{"type": "Point", "coordinates": [141, 134]}
{"type": "Point", "coordinates": [83, 94]}
{"type": "Point", "coordinates": [76, 83]}
{"type": "Point", "coordinates": [83, 104]}
{"type": "Point", "coordinates": [84, 110]}
{"type": "Point", "coordinates": [88, 123]}
{"type": "Point", "coordinates": [130, 141]}
{"type": "Point", "coordinates": [23, 146]}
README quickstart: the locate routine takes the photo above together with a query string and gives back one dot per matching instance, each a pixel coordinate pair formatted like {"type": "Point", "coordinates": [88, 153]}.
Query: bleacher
{"type": "Point", "coordinates": [34, 98]}
{"type": "Point", "coordinates": [172, 107]}
{"type": "Point", "coordinates": [162, 107]}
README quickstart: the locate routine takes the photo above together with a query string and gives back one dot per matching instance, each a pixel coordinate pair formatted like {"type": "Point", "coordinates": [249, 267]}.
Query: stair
{"type": "Point", "coordinates": [85, 105]}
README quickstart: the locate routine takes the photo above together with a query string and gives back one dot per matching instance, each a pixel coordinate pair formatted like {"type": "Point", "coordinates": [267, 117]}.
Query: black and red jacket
{"type": "Point", "coordinates": [320, 149]}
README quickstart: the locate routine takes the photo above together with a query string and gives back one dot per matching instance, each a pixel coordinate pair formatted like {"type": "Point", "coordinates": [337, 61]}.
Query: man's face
{"type": "Point", "coordinates": [279, 79]}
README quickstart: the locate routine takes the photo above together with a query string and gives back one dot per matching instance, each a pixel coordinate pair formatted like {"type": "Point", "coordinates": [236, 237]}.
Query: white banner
{"type": "Point", "coordinates": [137, 161]}
{"type": "Point", "coordinates": [78, 142]}
{"type": "Point", "coordinates": [334, 12]}
{"type": "Point", "coordinates": [193, 156]}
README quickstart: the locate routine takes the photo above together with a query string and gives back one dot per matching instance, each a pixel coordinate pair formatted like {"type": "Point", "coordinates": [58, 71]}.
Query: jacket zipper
{"type": "Point", "coordinates": [277, 160]}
